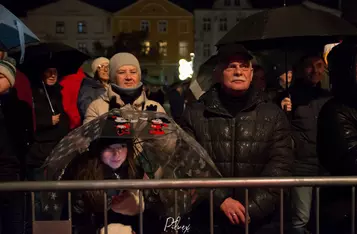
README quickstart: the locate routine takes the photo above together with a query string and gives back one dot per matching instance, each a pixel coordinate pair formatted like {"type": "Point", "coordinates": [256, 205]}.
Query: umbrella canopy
{"type": "Point", "coordinates": [66, 59]}
{"type": "Point", "coordinates": [13, 31]}
{"type": "Point", "coordinates": [159, 143]}
{"type": "Point", "coordinates": [292, 25]}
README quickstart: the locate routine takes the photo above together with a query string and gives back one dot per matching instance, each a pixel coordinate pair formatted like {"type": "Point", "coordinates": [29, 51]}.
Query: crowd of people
{"type": "Point", "coordinates": [248, 127]}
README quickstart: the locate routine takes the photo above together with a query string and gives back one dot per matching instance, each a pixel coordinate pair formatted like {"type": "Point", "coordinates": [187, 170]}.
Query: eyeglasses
{"type": "Point", "coordinates": [103, 67]}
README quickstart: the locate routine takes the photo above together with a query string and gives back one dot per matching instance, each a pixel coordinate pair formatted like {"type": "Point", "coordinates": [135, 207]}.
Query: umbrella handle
{"type": "Point", "coordinates": [48, 98]}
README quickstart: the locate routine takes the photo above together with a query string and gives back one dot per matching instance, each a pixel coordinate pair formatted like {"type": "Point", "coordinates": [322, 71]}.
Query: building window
{"type": "Point", "coordinates": [206, 50]}
{"type": "Point", "coordinates": [145, 50]}
{"type": "Point", "coordinates": [162, 48]}
{"type": "Point", "coordinates": [237, 2]}
{"type": "Point", "coordinates": [82, 46]}
{"type": "Point", "coordinates": [227, 2]}
{"type": "Point", "coordinates": [206, 24]}
{"type": "Point", "coordinates": [183, 48]}
{"type": "Point", "coordinates": [60, 27]}
{"type": "Point", "coordinates": [144, 26]}
{"type": "Point", "coordinates": [183, 26]}
{"type": "Point", "coordinates": [223, 24]}
{"type": "Point", "coordinates": [162, 26]}
{"type": "Point", "coordinates": [81, 27]}
{"type": "Point", "coordinates": [124, 26]}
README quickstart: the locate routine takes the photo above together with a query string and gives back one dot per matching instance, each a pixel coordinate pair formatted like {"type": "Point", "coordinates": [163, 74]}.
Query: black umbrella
{"type": "Point", "coordinates": [66, 59]}
{"type": "Point", "coordinates": [294, 26]}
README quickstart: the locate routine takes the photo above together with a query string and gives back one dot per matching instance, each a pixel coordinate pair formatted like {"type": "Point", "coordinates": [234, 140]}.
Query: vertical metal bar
{"type": "Point", "coordinates": [281, 211]}
{"type": "Point", "coordinates": [176, 209]}
{"type": "Point", "coordinates": [69, 206]}
{"type": "Point", "coordinates": [317, 210]}
{"type": "Point", "coordinates": [33, 206]}
{"type": "Point", "coordinates": [211, 213]}
{"type": "Point", "coordinates": [105, 213]}
{"type": "Point", "coordinates": [141, 217]}
{"type": "Point", "coordinates": [353, 211]}
{"type": "Point", "coordinates": [246, 212]}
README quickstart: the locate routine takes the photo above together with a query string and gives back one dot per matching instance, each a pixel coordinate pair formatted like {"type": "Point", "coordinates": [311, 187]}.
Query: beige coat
{"type": "Point", "coordinates": [101, 105]}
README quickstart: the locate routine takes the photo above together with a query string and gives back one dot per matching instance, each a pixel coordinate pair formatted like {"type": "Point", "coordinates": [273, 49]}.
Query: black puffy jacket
{"type": "Point", "coordinates": [337, 137]}
{"type": "Point", "coordinates": [307, 103]}
{"type": "Point", "coordinates": [255, 143]}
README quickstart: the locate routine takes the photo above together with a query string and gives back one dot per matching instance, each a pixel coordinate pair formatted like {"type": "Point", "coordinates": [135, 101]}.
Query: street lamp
{"type": "Point", "coordinates": [186, 68]}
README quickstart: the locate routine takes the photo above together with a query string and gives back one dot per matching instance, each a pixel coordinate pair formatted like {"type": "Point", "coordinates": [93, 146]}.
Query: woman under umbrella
{"type": "Point", "coordinates": [106, 159]}
{"type": "Point", "coordinates": [96, 150]}
{"type": "Point", "coordinates": [52, 123]}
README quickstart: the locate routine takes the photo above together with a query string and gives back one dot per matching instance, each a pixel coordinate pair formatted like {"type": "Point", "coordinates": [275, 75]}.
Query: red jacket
{"type": "Point", "coordinates": [71, 85]}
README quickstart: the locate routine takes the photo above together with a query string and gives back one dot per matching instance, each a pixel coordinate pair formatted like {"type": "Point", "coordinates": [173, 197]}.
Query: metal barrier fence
{"type": "Point", "coordinates": [277, 182]}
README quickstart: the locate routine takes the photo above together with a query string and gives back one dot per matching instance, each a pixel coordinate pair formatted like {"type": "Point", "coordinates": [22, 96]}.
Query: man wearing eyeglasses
{"type": "Point", "coordinates": [245, 137]}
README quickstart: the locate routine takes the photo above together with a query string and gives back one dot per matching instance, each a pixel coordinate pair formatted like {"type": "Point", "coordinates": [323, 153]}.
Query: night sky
{"type": "Point", "coordinates": [19, 7]}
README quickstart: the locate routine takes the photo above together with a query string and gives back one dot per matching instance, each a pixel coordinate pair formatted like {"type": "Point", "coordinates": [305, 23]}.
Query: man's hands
{"type": "Point", "coordinates": [234, 210]}
{"type": "Point", "coordinates": [286, 103]}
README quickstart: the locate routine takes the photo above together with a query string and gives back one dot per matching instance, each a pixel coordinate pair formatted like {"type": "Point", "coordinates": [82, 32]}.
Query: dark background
{"type": "Point", "coordinates": [19, 7]}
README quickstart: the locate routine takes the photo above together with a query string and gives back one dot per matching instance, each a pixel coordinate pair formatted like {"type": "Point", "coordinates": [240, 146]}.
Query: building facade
{"type": "Point", "coordinates": [212, 24]}
{"type": "Point", "coordinates": [169, 31]}
{"type": "Point", "coordinates": [71, 22]}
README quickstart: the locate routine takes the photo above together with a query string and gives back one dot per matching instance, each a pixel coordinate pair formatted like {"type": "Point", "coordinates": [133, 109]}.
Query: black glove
{"type": "Point", "coordinates": [151, 107]}
{"type": "Point", "coordinates": [113, 104]}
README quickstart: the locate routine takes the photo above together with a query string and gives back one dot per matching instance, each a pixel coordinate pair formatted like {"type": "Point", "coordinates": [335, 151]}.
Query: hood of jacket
{"type": "Point", "coordinates": [342, 70]}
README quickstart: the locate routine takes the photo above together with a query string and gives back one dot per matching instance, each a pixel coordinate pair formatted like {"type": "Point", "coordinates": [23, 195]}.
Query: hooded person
{"type": "Point", "coordinates": [126, 89]}
{"type": "Point", "coordinates": [336, 137]}
{"type": "Point", "coordinates": [52, 122]}
{"type": "Point", "coordinates": [93, 88]}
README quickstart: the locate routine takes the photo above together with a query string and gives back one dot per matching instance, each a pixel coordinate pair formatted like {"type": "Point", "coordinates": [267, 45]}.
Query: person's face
{"type": "Point", "coordinates": [259, 79]}
{"type": "Point", "coordinates": [114, 155]}
{"type": "Point", "coordinates": [314, 69]}
{"type": "Point", "coordinates": [283, 79]}
{"type": "Point", "coordinates": [154, 88]}
{"type": "Point", "coordinates": [4, 84]}
{"type": "Point", "coordinates": [103, 72]}
{"type": "Point", "coordinates": [50, 76]}
{"type": "Point", "coordinates": [127, 76]}
{"type": "Point", "coordinates": [237, 75]}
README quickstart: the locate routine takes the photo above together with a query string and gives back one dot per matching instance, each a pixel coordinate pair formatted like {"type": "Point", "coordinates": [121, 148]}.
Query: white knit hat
{"type": "Point", "coordinates": [8, 69]}
{"type": "Point", "coordinates": [122, 59]}
{"type": "Point", "coordinates": [97, 62]}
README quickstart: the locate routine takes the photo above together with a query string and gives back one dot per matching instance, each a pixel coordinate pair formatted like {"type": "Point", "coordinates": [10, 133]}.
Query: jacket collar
{"type": "Point", "coordinates": [107, 96]}
{"type": "Point", "coordinates": [91, 82]}
{"type": "Point", "coordinates": [214, 105]}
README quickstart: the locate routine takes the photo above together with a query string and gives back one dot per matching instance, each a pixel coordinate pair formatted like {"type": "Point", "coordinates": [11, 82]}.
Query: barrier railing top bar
{"type": "Point", "coordinates": [179, 183]}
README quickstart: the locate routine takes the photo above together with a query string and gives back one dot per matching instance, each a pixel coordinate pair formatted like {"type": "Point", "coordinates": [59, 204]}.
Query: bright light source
{"type": "Point", "coordinates": [185, 69]}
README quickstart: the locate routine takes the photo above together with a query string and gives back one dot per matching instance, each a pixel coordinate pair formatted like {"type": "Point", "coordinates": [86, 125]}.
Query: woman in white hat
{"type": "Point", "coordinates": [92, 88]}
{"type": "Point", "coordinates": [126, 89]}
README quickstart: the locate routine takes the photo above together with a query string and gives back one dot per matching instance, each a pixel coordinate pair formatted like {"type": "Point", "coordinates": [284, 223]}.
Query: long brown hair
{"type": "Point", "coordinates": [91, 167]}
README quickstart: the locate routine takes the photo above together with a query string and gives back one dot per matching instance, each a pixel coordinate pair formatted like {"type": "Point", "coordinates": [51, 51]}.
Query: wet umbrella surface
{"type": "Point", "coordinates": [159, 144]}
